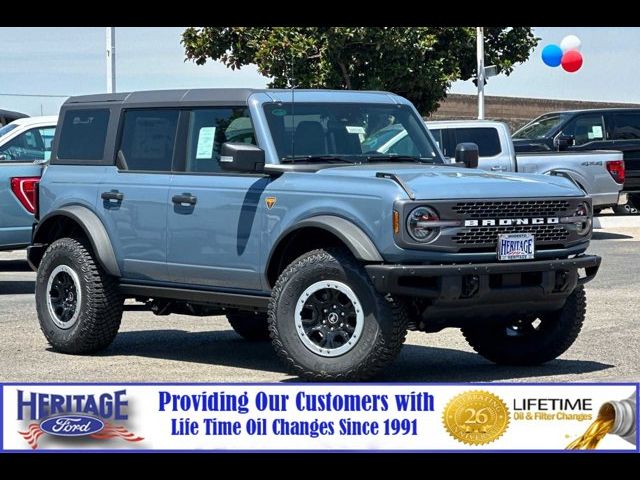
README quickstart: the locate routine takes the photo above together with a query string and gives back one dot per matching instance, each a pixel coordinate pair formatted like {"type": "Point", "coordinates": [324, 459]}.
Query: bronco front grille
{"type": "Point", "coordinates": [480, 222]}
{"type": "Point", "coordinates": [489, 235]}
{"type": "Point", "coordinates": [511, 208]}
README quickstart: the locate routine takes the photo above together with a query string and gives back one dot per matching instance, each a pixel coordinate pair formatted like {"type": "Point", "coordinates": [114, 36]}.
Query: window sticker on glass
{"type": "Point", "coordinates": [205, 143]}
{"type": "Point", "coordinates": [596, 132]}
{"type": "Point", "coordinates": [47, 155]}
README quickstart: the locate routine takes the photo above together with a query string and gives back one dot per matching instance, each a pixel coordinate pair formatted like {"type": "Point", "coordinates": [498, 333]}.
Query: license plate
{"type": "Point", "coordinates": [516, 246]}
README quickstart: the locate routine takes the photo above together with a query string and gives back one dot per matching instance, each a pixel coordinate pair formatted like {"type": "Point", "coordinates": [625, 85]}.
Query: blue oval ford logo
{"type": "Point", "coordinates": [72, 425]}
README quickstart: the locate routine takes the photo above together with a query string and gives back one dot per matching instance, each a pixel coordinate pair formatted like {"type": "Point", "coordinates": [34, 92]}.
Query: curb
{"type": "Point", "coordinates": [604, 222]}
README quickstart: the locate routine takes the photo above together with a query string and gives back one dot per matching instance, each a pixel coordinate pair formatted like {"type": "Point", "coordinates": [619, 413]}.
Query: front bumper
{"type": "Point", "coordinates": [526, 282]}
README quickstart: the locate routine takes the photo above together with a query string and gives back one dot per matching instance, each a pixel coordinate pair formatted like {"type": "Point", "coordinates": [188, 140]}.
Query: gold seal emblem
{"type": "Point", "coordinates": [476, 417]}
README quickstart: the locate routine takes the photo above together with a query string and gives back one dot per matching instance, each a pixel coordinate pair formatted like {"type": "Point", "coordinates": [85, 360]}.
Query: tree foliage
{"type": "Point", "coordinates": [418, 63]}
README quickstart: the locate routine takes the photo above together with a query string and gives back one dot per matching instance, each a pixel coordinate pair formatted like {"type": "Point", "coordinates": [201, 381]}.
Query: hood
{"type": "Point", "coordinates": [441, 182]}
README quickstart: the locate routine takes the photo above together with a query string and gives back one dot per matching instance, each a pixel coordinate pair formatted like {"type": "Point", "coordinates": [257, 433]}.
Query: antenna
{"type": "Point", "coordinates": [293, 114]}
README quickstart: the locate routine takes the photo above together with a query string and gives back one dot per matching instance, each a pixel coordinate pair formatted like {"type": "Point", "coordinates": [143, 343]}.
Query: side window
{"type": "Point", "coordinates": [437, 135]}
{"type": "Point", "coordinates": [26, 147]}
{"type": "Point", "coordinates": [585, 128]}
{"type": "Point", "coordinates": [211, 127]}
{"type": "Point", "coordinates": [83, 134]}
{"type": "Point", "coordinates": [626, 126]}
{"type": "Point", "coordinates": [486, 138]}
{"type": "Point", "coordinates": [47, 134]}
{"type": "Point", "coordinates": [148, 139]}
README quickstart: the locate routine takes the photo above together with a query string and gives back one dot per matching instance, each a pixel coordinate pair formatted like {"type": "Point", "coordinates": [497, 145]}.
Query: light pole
{"type": "Point", "coordinates": [111, 59]}
{"type": "Point", "coordinates": [480, 70]}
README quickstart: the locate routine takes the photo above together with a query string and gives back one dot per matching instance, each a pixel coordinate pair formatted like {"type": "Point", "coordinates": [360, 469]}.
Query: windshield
{"type": "Point", "coordinates": [348, 131]}
{"type": "Point", "coordinates": [6, 129]}
{"type": "Point", "coordinates": [540, 127]}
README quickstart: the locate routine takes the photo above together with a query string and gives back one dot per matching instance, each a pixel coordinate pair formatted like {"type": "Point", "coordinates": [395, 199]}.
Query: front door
{"type": "Point", "coordinates": [588, 132]}
{"type": "Point", "coordinates": [215, 218]}
{"type": "Point", "coordinates": [134, 196]}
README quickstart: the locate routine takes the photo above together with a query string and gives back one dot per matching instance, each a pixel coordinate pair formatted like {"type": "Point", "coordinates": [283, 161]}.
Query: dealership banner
{"type": "Point", "coordinates": [318, 417]}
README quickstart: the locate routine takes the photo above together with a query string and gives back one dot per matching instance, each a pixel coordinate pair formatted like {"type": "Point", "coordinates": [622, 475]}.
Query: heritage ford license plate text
{"type": "Point", "coordinates": [516, 246]}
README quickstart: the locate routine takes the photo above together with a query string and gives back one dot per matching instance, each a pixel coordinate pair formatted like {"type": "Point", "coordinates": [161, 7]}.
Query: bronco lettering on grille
{"type": "Point", "coordinates": [499, 222]}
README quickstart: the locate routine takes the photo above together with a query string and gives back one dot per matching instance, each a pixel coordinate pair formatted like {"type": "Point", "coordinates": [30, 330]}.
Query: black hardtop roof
{"type": "Point", "coordinates": [155, 96]}
{"type": "Point", "coordinates": [233, 95]}
{"type": "Point", "coordinates": [593, 110]}
{"type": "Point", "coordinates": [12, 114]}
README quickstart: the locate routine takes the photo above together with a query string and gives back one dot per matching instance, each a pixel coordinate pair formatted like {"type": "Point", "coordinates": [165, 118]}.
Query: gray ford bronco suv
{"type": "Point", "coordinates": [277, 209]}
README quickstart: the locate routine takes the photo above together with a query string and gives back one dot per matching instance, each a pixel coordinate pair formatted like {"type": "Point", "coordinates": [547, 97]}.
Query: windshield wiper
{"type": "Point", "coordinates": [401, 158]}
{"type": "Point", "coordinates": [316, 158]}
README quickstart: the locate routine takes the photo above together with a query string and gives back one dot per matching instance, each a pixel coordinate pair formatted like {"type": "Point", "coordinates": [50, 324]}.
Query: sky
{"type": "Point", "coordinates": [71, 61]}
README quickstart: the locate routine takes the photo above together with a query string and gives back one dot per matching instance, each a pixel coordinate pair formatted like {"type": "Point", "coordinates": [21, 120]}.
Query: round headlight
{"type": "Point", "coordinates": [582, 210]}
{"type": "Point", "coordinates": [418, 224]}
{"type": "Point", "coordinates": [583, 225]}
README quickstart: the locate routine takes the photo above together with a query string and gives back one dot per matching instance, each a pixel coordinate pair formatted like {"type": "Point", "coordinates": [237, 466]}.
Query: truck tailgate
{"type": "Point", "coordinates": [15, 219]}
{"type": "Point", "coordinates": [589, 169]}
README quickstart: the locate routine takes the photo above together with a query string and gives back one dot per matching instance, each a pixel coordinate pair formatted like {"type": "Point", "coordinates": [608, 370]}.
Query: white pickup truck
{"type": "Point", "coordinates": [600, 173]}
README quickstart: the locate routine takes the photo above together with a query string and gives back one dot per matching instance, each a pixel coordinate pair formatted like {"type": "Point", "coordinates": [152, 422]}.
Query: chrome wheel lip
{"type": "Point", "coordinates": [64, 325]}
{"type": "Point", "coordinates": [357, 306]}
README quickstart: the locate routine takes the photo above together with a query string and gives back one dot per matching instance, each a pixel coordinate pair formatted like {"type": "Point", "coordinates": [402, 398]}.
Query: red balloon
{"type": "Point", "coordinates": [571, 61]}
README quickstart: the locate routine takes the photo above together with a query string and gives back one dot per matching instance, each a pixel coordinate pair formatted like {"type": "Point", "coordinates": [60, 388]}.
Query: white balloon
{"type": "Point", "coordinates": [570, 42]}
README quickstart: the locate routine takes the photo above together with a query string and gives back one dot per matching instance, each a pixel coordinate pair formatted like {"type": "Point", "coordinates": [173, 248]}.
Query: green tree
{"type": "Point", "coordinates": [418, 63]}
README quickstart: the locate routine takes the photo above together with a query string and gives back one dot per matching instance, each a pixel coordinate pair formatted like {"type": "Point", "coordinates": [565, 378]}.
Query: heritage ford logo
{"type": "Point", "coordinates": [72, 425]}
{"type": "Point", "coordinates": [76, 415]}
{"type": "Point", "coordinates": [506, 222]}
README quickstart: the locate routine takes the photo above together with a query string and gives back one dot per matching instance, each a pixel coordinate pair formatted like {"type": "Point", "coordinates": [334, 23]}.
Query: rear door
{"type": "Point", "coordinates": [134, 196]}
{"type": "Point", "coordinates": [624, 130]}
{"type": "Point", "coordinates": [214, 218]}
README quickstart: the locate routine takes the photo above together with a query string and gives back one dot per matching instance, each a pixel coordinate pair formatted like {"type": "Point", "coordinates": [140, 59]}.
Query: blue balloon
{"type": "Point", "coordinates": [552, 55]}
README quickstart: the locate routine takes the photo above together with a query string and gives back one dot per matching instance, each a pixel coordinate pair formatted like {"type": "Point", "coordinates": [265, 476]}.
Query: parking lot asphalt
{"type": "Point", "coordinates": [204, 349]}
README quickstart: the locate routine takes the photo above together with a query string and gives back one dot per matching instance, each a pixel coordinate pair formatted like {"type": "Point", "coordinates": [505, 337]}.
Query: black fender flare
{"type": "Point", "coordinates": [350, 234]}
{"type": "Point", "coordinates": [93, 228]}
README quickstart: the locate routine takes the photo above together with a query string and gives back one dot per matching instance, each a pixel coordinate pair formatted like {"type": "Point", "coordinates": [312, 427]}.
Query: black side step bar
{"type": "Point", "coordinates": [196, 296]}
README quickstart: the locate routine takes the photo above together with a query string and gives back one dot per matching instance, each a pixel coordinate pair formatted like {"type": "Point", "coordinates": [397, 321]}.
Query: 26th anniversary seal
{"type": "Point", "coordinates": [476, 417]}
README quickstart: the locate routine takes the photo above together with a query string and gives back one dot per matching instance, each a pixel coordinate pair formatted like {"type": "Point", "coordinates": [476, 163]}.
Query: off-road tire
{"type": "Point", "coordinates": [557, 332]}
{"type": "Point", "coordinates": [100, 307]}
{"type": "Point", "coordinates": [250, 326]}
{"type": "Point", "coordinates": [384, 326]}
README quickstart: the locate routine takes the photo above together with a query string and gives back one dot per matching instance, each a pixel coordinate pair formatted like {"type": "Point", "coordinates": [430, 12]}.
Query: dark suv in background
{"type": "Point", "coordinates": [601, 129]}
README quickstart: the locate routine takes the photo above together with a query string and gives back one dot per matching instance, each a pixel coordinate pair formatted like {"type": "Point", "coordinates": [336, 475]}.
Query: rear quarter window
{"type": "Point", "coordinates": [626, 126]}
{"type": "Point", "coordinates": [83, 135]}
{"type": "Point", "coordinates": [486, 138]}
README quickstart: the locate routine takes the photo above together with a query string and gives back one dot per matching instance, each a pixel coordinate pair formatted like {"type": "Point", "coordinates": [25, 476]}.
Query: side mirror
{"type": "Point", "coordinates": [241, 157]}
{"type": "Point", "coordinates": [467, 153]}
{"type": "Point", "coordinates": [562, 142]}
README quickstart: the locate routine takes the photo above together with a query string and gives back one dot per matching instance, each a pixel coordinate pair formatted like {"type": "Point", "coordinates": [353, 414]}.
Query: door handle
{"type": "Point", "coordinates": [112, 195]}
{"type": "Point", "coordinates": [184, 198]}
{"type": "Point", "coordinates": [497, 168]}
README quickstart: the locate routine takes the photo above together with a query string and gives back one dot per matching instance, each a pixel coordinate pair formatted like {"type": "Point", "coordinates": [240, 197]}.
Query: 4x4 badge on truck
{"type": "Point", "coordinates": [270, 201]}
